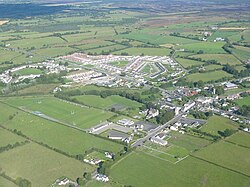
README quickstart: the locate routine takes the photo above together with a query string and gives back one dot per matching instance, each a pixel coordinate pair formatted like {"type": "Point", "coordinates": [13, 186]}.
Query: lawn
{"type": "Point", "coordinates": [108, 102]}
{"type": "Point", "coordinates": [120, 64]}
{"type": "Point", "coordinates": [220, 58]}
{"type": "Point", "coordinates": [186, 63]}
{"type": "Point", "coordinates": [139, 169]}
{"type": "Point", "coordinates": [57, 136]}
{"type": "Point", "coordinates": [227, 155]}
{"type": "Point", "coordinates": [149, 69]}
{"type": "Point", "coordinates": [243, 101]}
{"type": "Point", "coordinates": [208, 76]}
{"type": "Point", "coordinates": [83, 117]}
{"type": "Point", "coordinates": [218, 123]}
{"type": "Point", "coordinates": [40, 165]}
{"type": "Point", "coordinates": [241, 138]}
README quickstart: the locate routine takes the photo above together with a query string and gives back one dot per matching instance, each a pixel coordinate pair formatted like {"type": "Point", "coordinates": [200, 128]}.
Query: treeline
{"type": "Point", "coordinates": [237, 74]}
{"type": "Point", "coordinates": [177, 34]}
{"type": "Point", "coordinates": [12, 146]}
{"type": "Point", "coordinates": [19, 181]}
{"type": "Point", "coordinates": [201, 115]}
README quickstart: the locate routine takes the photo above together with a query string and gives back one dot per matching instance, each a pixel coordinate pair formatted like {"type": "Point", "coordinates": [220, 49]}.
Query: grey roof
{"type": "Point", "coordinates": [113, 133]}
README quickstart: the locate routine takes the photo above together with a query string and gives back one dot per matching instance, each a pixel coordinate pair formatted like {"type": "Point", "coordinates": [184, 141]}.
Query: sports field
{"type": "Point", "coordinates": [208, 76]}
{"type": "Point", "coordinates": [228, 155]}
{"type": "Point", "coordinates": [108, 102]}
{"type": "Point", "coordinates": [218, 123]}
{"type": "Point", "coordinates": [139, 169]}
{"type": "Point", "coordinates": [83, 117]}
{"type": "Point", "coordinates": [40, 165]}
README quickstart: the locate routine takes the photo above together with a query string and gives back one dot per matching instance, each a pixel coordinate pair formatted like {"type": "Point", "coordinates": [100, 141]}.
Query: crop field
{"type": "Point", "coordinates": [40, 165]}
{"type": "Point", "coordinates": [221, 58]}
{"type": "Point", "coordinates": [241, 138]}
{"type": "Point", "coordinates": [148, 171]}
{"type": "Point", "coordinates": [206, 47]}
{"type": "Point", "coordinates": [243, 101]}
{"type": "Point", "coordinates": [190, 143]}
{"type": "Point", "coordinates": [237, 159]}
{"type": "Point", "coordinates": [58, 136]}
{"type": "Point", "coordinates": [83, 117]}
{"type": "Point", "coordinates": [186, 63]}
{"type": "Point", "coordinates": [218, 123]}
{"type": "Point", "coordinates": [108, 102]}
{"type": "Point", "coordinates": [144, 51]}
{"type": "Point", "coordinates": [208, 76]}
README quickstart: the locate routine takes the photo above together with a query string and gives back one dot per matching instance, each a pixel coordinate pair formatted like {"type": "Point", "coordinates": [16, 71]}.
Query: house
{"type": "Point", "coordinates": [246, 130]}
{"type": "Point", "coordinates": [64, 182]}
{"type": "Point", "coordinates": [229, 86]}
{"type": "Point", "coordinates": [159, 141]}
{"type": "Point", "coordinates": [102, 178]}
{"type": "Point", "coordinates": [152, 113]}
{"type": "Point", "coordinates": [125, 122]}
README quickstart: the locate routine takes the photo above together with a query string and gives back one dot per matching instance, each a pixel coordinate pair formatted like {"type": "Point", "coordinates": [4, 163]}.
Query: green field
{"type": "Point", "coordinates": [7, 137]}
{"type": "Point", "coordinates": [40, 165]}
{"type": "Point", "coordinates": [241, 138]}
{"type": "Point", "coordinates": [208, 76]}
{"type": "Point", "coordinates": [83, 117]}
{"type": "Point", "coordinates": [4, 182]}
{"type": "Point", "coordinates": [186, 63]}
{"type": "Point", "coordinates": [243, 101]}
{"type": "Point", "coordinates": [148, 171]}
{"type": "Point", "coordinates": [108, 102]}
{"type": "Point", "coordinates": [144, 51]}
{"type": "Point", "coordinates": [213, 67]}
{"type": "Point", "coordinates": [227, 155]}
{"type": "Point", "coordinates": [217, 123]}
{"type": "Point", "coordinates": [188, 142]}
{"type": "Point", "coordinates": [242, 53]}
{"type": "Point", "coordinates": [120, 64]}
{"type": "Point", "coordinates": [220, 58]}
{"type": "Point", "coordinates": [28, 71]}
{"type": "Point", "coordinates": [206, 47]}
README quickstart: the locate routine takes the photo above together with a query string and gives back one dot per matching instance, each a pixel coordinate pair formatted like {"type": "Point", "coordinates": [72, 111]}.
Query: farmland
{"type": "Point", "coordinates": [221, 58]}
{"type": "Point", "coordinates": [83, 117]}
{"type": "Point", "coordinates": [155, 172]}
{"type": "Point", "coordinates": [243, 101]}
{"type": "Point", "coordinates": [208, 76]}
{"type": "Point", "coordinates": [49, 165]}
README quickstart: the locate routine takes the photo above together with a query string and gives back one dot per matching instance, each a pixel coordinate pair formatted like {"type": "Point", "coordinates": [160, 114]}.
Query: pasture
{"type": "Point", "coordinates": [186, 63]}
{"type": "Point", "coordinates": [243, 101]}
{"type": "Point", "coordinates": [5, 182]}
{"type": "Point", "coordinates": [40, 165]}
{"type": "Point", "coordinates": [55, 135]}
{"type": "Point", "coordinates": [7, 137]}
{"type": "Point", "coordinates": [220, 58]}
{"type": "Point", "coordinates": [108, 102]}
{"type": "Point", "coordinates": [240, 138]}
{"type": "Point", "coordinates": [147, 171]}
{"type": "Point", "coordinates": [228, 155]}
{"type": "Point", "coordinates": [83, 117]}
{"type": "Point", "coordinates": [208, 76]}
{"type": "Point", "coordinates": [218, 123]}
{"type": "Point", "coordinates": [136, 51]}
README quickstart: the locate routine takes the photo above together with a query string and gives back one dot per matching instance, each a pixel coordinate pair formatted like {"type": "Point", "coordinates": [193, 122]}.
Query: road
{"type": "Point", "coordinates": [152, 133]}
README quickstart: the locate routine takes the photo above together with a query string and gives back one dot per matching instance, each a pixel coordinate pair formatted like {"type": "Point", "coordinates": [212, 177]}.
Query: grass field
{"type": "Point", "coordinates": [120, 64]}
{"type": "Point", "coordinates": [206, 47]}
{"type": "Point", "coordinates": [241, 138]}
{"type": "Point", "coordinates": [28, 71]}
{"type": "Point", "coordinates": [40, 165]}
{"type": "Point", "coordinates": [218, 153]}
{"type": "Point", "coordinates": [213, 67]}
{"type": "Point", "coordinates": [144, 51]}
{"type": "Point", "coordinates": [188, 142]}
{"type": "Point", "coordinates": [218, 123]}
{"type": "Point", "coordinates": [186, 63]}
{"type": "Point", "coordinates": [221, 58]}
{"type": "Point", "coordinates": [208, 76]}
{"type": "Point", "coordinates": [4, 182]}
{"type": "Point", "coordinates": [148, 171]}
{"type": "Point", "coordinates": [242, 53]}
{"type": "Point", "coordinates": [243, 101]}
{"type": "Point", "coordinates": [55, 135]}
{"type": "Point", "coordinates": [7, 137]}
{"type": "Point", "coordinates": [83, 117]}
{"type": "Point", "coordinates": [108, 102]}
{"type": "Point", "coordinates": [38, 89]}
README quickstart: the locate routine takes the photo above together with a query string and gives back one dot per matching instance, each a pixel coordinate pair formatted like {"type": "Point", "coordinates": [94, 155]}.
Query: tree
{"type": "Point", "coordinates": [219, 90]}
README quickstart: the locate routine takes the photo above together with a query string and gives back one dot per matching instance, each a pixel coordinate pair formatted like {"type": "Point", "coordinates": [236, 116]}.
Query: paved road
{"type": "Point", "coordinates": [152, 133]}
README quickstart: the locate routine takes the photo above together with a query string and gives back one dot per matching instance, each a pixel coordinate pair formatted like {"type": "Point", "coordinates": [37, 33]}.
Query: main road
{"type": "Point", "coordinates": [155, 131]}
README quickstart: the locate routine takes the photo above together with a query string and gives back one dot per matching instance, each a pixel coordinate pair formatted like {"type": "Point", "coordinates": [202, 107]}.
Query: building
{"type": "Point", "coordinates": [159, 141]}
{"type": "Point", "coordinates": [229, 86]}
{"type": "Point", "coordinates": [125, 122]}
{"type": "Point", "coordinates": [102, 178]}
